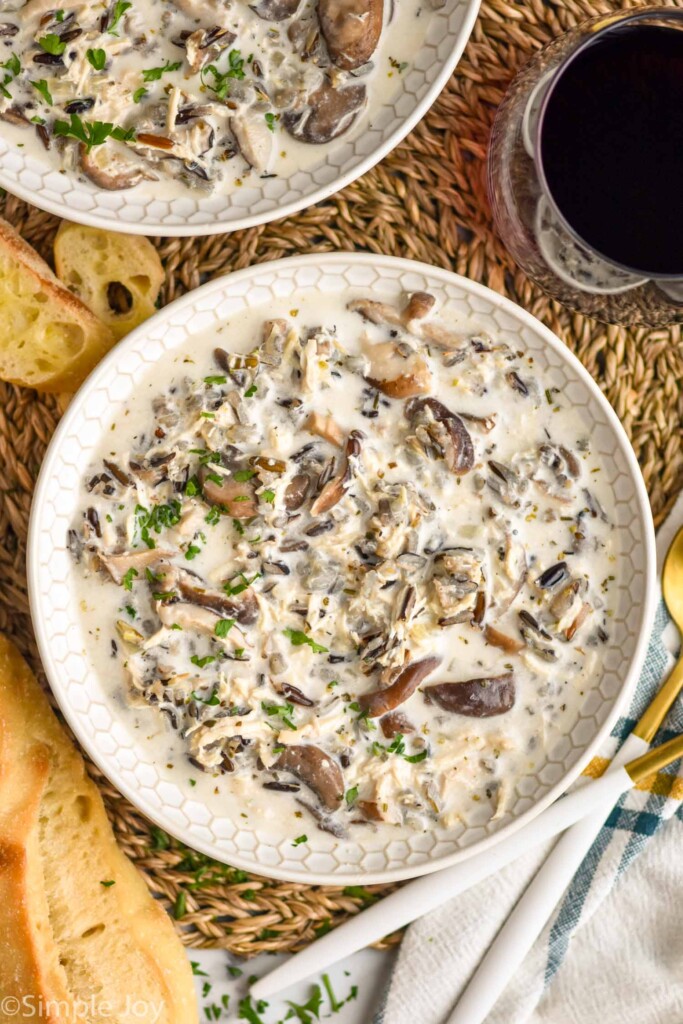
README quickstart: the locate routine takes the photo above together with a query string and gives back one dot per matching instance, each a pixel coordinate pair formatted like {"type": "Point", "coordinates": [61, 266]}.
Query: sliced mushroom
{"type": "Point", "coordinates": [328, 113]}
{"type": "Point", "coordinates": [118, 565]}
{"type": "Point", "coordinates": [498, 639]}
{"type": "Point", "coordinates": [243, 607]}
{"type": "Point", "coordinates": [380, 702]}
{"type": "Point", "coordinates": [334, 489]}
{"type": "Point", "coordinates": [296, 492]}
{"type": "Point", "coordinates": [394, 723]}
{"type": "Point", "coordinates": [254, 138]}
{"type": "Point", "coordinates": [420, 305]}
{"type": "Point", "coordinates": [238, 498]}
{"type": "Point", "coordinates": [446, 430]}
{"type": "Point", "coordinates": [351, 29]}
{"type": "Point", "coordinates": [476, 698]}
{"type": "Point", "coordinates": [110, 171]}
{"type": "Point", "coordinates": [395, 374]}
{"type": "Point", "coordinates": [275, 10]}
{"type": "Point", "coordinates": [325, 427]}
{"type": "Point", "coordinates": [317, 770]}
{"type": "Point", "coordinates": [376, 312]}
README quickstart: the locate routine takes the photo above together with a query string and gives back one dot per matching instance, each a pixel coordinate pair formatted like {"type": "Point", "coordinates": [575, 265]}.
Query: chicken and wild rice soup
{"type": "Point", "coordinates": [358, 571]}
{"type": "Point", "coordinates": [201, 93]}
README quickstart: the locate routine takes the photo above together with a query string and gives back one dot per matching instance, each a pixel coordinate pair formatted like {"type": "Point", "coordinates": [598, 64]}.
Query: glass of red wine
{"type": "Point", "coordinates": [585, 167]}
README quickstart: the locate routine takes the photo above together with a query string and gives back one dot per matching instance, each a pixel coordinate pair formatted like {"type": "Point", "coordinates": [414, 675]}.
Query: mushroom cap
{"type": "Point", "coordinates": [380, 702]}
{"type": "Point", "coordinates": [476, 698]}
{"type": "Point", "coordinates": [317, 770]}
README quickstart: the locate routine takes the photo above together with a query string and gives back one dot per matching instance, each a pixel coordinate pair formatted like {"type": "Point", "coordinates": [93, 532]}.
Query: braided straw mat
{"type": "Point", "coordinates": [426, 201]}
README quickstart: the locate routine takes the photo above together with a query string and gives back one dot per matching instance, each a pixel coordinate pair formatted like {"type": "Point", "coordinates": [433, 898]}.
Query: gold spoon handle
{"type": "Point", "coordinates": [656, 712]}
{"type": "Point", "coordinates": [655, 759]}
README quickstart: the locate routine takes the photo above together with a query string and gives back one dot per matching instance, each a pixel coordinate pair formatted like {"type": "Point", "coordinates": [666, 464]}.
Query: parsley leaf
{"type": "Point", "coordinates": [351, 795]}
{"type": "Point", "coordinates": [211, 701]}
{"type": "Point", "coordinates": [201, 662]}
{"type": "Point", "coordinates": [243, 474]}
{"type": "Point", "coordinates": [92, 133]}
{"type": "Point", "coordinates": [127, 580]}
{"type": "Point", "coordinates": [239, 588]}
{"type": "Point", "coordinates": [120, 8]}
{"type": "Point", "coordinates": [139, 94]}
{"type": "Point", "coordinates": [52, 43]}
{"type": "Point", "coordinates": [271, 120]}
{"type": "Point", "coordinates": [300, 839]}
{"type": "Point", "coordinates": [107, 885]}
{"type": "Point", "coordinates": [42, 87]}
{"type": "Point", "coordinates": [12, 66]}
{"type": "Point", "coordinates": [98, 58]}
{"type": "Point", "coordinates": [221, 79]}
{"type": "Point", "coordinates": [251, 391]}
{"type": "Point", "coordinates": [156, 519]}
{"type": "Point", "coordinates": [216, 379]}
{"type": "Point", "coordinates": [192, 551]}
{"type": "Point", "coordinates": [223, 627]}
{"type": "Point", "coordinates": [268, 496]}
{"type": "Point", "coordinates": [283, 711]}
{"type": "Point", "coordinates": [192, 487]}
{"type": "Point", "coordinates": [297, 638]}
{"type": "Point", "coordinates": [154, 74]}
{"type": "Point", "coordinates": [213, 515]}
{"type": "Point", "coordinates": [414, 758]}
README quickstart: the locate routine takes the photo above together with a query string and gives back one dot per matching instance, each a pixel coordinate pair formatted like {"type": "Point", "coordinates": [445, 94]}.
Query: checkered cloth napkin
{"type": "Point", "coordinates": [613, 951]}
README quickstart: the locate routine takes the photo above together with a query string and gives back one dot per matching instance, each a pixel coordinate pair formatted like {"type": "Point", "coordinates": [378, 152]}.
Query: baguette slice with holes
{"type": "Point", "coordinates": [65, 938]}
{"type": "Point", "coordinates": [49, 339]}
{"type": "Point", "coordinates": [117, 276]}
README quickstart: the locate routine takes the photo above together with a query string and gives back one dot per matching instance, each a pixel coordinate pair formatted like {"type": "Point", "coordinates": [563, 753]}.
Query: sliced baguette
{"type": "Point", "coordinates": [117, 276]}
{"type": "Point", "coordinates": [98, 953]}
{"type": "Point", "coordinates": [49, 339]}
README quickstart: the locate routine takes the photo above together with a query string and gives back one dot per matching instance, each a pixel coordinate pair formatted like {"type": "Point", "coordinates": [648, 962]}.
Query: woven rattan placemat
{"type": "Point", "coordinates": [426, 201]}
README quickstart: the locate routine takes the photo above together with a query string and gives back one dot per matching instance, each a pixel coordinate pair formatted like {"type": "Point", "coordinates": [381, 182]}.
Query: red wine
{"type": "Point", "coordinates": [611, 147]}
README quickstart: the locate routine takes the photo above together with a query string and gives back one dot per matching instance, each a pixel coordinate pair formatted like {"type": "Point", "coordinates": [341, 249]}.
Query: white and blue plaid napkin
{"type": "Point", "coordinates": [613, 951]}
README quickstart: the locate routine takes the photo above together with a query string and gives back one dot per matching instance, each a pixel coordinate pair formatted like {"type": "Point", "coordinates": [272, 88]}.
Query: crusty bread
{"type": "Point", "coordinates": [98, 953]}
{"type": "Point", "coordinates": [117, 276]}
{"type": "Point", "coordinates": [49, 339]}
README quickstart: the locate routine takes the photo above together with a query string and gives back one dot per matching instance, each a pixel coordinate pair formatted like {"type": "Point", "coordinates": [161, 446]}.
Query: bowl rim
{"type": "Point", "coordinates": [320, 194]}
{"type": "Point", "coordinates": [648, 603]}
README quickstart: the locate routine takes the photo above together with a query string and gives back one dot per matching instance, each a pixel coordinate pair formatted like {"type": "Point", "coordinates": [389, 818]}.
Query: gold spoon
{"type": "Point", "coordinates": [672, 589]}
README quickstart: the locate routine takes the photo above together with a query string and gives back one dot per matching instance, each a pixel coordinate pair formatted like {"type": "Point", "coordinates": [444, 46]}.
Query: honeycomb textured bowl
{"type": "Point", "coordinates": [214, 825]}
{"type": "Point", "coordinates": [33, 176]}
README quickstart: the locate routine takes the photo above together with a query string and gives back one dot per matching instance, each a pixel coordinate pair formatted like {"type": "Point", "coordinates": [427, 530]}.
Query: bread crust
{"type": "Point", "coordinates": [63, 306]}
{"type": "Point", "coordinates": [65, 938]}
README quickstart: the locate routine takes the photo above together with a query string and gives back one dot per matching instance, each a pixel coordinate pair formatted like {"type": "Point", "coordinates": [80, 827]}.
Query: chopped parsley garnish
{"type": "Point", "coordinates": [120, 8]}
{"type": "Point", "coordinates": [131, 611]}
{"type": "Point", "coordinates": [216, 379]}
{"type": "Point", "coordinates": [59, 15]}
{"type": "Point", "coordinates": [92, 133]}
{"type": "Point", "coordinates": [191, 552]}
{"type": "Point", "coordinates": [152, 576]}
{"type": "Point", "coordinates": [297, 638]}
{"type": "Point", "coordinates": [268, 496]}
{"type": "Point", "coordinates": [201, 662]}
{"type": "Point", "coordinates": [52, 43]}
{"type": "Point", "coordinates": [154, 74]}
{"type": "Point", "coordinates": [42, 87]}
{"type": "Point", "coordinates": [13, 67]}
{"type": "Point", "coordinates": [223, 627]}
{"type": "Point", "coordinates": [194, 964]}
{"type": "Point", "coordinates": [239, 651]}
{"type": "Point", "coordinates": [271, 120]}
{"type": "Point", "coordinates": [283, 711]}
{"type": "Point", "coordinates": [243, 474]}
{"type": "Point", "coordinates": [300, 839]}
{"type": "Point", "coordinates": [180, 906]}
{"type": "Point", "coordinates": [397, 746]}
{"type": "Point", "coordinates": [335, 1005]}
{"type": "Point", "coordinates": [211, 701]}
{"type": "Point", "coordinates": [309, 1011]}
{"type": "Point", "coordinates": [414, 758]}
{"type": "Point", "coordinates": [235, 972]}
{"type": "Point", "coordinates": [351, 795]}
{"type": "Point", "coordinates": [238, 526]}
{"type": "Point", "coordinates": [107, 885]}
{"type": "Point", "coordinates": [213, 515]}
{"type": "Point", "coordinates": [98, 58]}
{"type": "Point", "coordinates": [164, 595]}
{"type": "Point", "coordinates": [139, 94]}
{"type": "Point", "coordinates": [251, 391]}
{"type": "Point", "coordinates": [221, 79]}
{"type": "Point", "coordinates": [192, 487]}
{"type": "Point", "coordinates": [156, 518]}
{"type": "Point", "coordinates": [359, 892]}
{"type": "Point", "coordinates": [128, 577]}
{"type": "Point", "coordinates": [205, 458]}
{"type": "Point", "coordinates": [239, 588]}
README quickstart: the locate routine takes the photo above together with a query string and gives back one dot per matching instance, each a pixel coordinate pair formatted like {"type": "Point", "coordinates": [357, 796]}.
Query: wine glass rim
{"type": "Point", "coordinates": [611, 23]}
